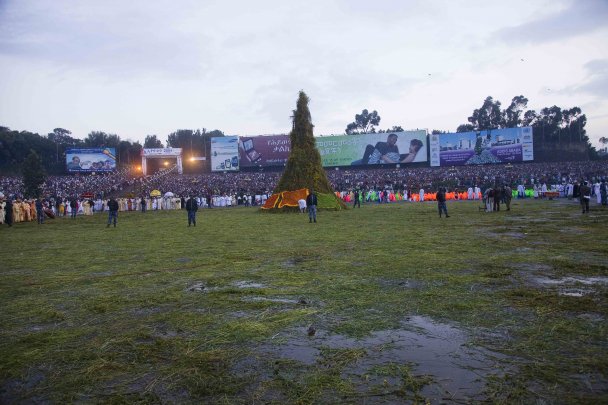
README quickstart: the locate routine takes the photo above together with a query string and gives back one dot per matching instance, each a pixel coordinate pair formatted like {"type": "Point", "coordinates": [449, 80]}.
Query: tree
{"type": "Point", "coordinates": [488, 116]}
{"type": "Point", "coordinates": [99, 139]}
{"type": "Point", "coordinates": [364, 123]}
{"type": "Point", "coordinates": [465, 128]}
{"type": "Point", "coordinates": [152, 142]}
{"type": "Point", "coordinates": [33, 174]}
{"type": "Point", "coordinates": [395, 128]}
{"type": "Point", "coordinates": [512, 115]}
{"type": "Point", "coordinates": [304, 168]}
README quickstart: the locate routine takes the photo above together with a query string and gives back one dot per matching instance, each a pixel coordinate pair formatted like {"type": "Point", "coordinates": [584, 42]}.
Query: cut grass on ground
{"type": "Point", "coordinates": [154, 311]}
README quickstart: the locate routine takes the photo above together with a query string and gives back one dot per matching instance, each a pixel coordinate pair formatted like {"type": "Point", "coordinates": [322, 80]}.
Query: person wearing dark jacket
{"type": "Point", "coordinates": [441, 202]}
{"type": "Point", "coordinates": [585, 196]}
{"type": "Point", "coordinates": [73, 207]}
{"type": "Point", "coordinates": [8, 209]}
{"type": "Point", "coordinates": [311, 203]}
{"type": "Point", "coordinates": [112, 211]}
{"type": "Point", "coordinates": [39, 210]}
{"type": "Point", "coordinates": [191, 207]}
{"type": "Point", "coordinates": [497, 198]}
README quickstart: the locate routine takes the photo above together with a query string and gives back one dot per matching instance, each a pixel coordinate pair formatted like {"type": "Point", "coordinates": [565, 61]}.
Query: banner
{"type": "Point", "coordinates": [161, 152]}
{"type": "Point", "coordinates": [370, 149]}
{"type": "Point", "coordinates": [267, 150]}
{"type": "Point", "coordinates": [482, 147]}
{"type": "Point", "coordinates": [224, 153]}
{"type": "Point", "coordinates": [91, 160]}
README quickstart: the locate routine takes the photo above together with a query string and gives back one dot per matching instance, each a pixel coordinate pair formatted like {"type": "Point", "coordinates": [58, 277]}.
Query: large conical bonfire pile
{"type": "Point", "coordinates": [304, 170]}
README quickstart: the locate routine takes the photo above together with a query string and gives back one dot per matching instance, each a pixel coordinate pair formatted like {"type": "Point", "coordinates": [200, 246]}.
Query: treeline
{"type": "Point", "coordinates": [15, 146]}
{"type": "Point", "coordinates": [559, 134]}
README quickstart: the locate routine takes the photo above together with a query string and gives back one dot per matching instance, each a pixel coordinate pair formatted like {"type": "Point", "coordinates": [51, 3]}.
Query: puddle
{"type": "Point", "coordinates": [574, 286]}
{"type": "Point", "coordinates": [432, 349]}
{"type": "Point", "coordinates": [516, 235]}
{"type": "Point", "coordinates": [197, 287]}
{"type": "Point", "coordinates": [574, 292]}
{"type": "Point", "coordinates": [147, 311]}
{"type": "Point", "coordinates": [201, 287]}
{"type": "Point", "coordinates": [591, 317]}
{"type": "Point", "coordinates": [570, 280]}
{"type": "Point", "coordinates": [573, 231]}
{"type": "Point", "coordinates": [248, 284]}
{"type": "Point", "coordinates": [20, 390]}
{"type": "Point", "coordinates": [270, 299]}
{"type": "Point", "coordinates": [295, 261]}
{"type": "Point", "coordinates": [407, 284]}
{"type": "Point", "coordinates": [532, 267]}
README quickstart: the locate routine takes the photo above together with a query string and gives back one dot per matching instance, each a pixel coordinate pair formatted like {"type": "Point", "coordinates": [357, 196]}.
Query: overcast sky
{"type": "Point", "coordinates": [142, 67]}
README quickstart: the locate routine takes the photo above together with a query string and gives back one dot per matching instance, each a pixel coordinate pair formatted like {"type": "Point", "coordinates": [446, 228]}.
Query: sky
{"type": "Point", "coordinates": [149, 67]}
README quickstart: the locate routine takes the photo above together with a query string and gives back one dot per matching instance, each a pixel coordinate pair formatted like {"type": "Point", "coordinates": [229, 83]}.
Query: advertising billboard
{"type": "Point", "coordinates": [371, 149]}
{"type": "Point", "coordinates": [225, 153]}
{"type": "Point", "coordinates": [90, 160]}
{"type": "Point", "coordinates": [267, 150]}
{"type": "Point", "coordinates": [482, 147]}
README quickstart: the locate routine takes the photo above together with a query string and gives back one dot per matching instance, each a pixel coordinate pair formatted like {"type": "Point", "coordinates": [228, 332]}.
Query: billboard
{"type": "Point", "coordinates": [90, 160]}
{"type": "Point", "coordinates": [224, 153]}
{"type": "Point", "coordinates": [267, 150]}
{"type": "Point", "coordinates": [370, 149]}
{"type": "Point", "coordinates": [482, 147]}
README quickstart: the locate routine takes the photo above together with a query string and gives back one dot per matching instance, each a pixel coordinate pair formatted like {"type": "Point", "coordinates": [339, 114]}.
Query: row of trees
{"type": "Point", "coordinates": [558, 133]}
{"type": "Point", "coordinates": [15, 146]}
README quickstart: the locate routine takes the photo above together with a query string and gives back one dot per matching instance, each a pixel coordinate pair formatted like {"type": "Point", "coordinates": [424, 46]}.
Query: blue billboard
{"type": "Point", "coordinates": [90, 160]}
{"type": "Point", "coordinates": [481, 147]}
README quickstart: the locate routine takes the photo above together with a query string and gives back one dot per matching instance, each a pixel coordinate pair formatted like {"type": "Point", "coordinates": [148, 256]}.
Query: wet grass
{"type": "Point", "coordinates": [154, 311]}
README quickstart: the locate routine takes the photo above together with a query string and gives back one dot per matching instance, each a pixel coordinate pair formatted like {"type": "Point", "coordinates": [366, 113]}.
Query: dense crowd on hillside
{"type": "Point", "coordinates": [263, 182]}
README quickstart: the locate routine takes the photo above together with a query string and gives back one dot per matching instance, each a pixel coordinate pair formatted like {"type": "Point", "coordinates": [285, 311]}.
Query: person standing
{"type": "Point", "coordinates": [604, 192]}
{"type": "Point", "coordinates": [8, 212]}
{"type": "Point", "coordinates": [441, 202]}
{"type": "Point", "coordinates": [73, 207]}
{"type": "Point", "coordinates": [142, 202]}
{"type": "Point", "coordinates": [191, 207]}
{"type": "Point", "coordinates": [497, 198]}
{"type": "Point", "coordinates": [585, 196]}
{"type": "Point", "coordinates": [112, 211]}
{"type": "Point", "coordinates": [40, 210]}
{"type": "Point", "coordinates": [311, 203]}
{"type": "Point", "coordinates": [507, 194]}
{"type": "Point", "coordinates": [357, 198]}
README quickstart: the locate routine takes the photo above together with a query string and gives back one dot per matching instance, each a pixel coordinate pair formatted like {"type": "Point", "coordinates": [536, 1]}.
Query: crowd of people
{"type": "Point", "coordinates": [84, 194]}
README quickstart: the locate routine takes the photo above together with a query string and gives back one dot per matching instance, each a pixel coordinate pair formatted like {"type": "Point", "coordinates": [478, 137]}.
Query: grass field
{"type": "Point", "coordinates": [383, 304]}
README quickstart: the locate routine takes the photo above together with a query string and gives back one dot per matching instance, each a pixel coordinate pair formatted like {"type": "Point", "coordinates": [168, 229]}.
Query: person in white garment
{"type": "Point", "coordinates": [421, 193]}
{"type": "Point", "coordinates": [302, 205]}
{"type": "Point", "coordinates": [596, 190]}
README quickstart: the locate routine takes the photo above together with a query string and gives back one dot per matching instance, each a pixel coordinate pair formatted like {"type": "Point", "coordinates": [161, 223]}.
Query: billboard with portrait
{"type": "Point", "coordinates": [224, 153]}
{"type": "Point", "coordinates": [90, 160]}
{"type": "Point", "coordinates": [506, 145]}
{"type": "Point", "coordinates": [265, 150]}
{"type": "Point", "coordinates": [372, 149]}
